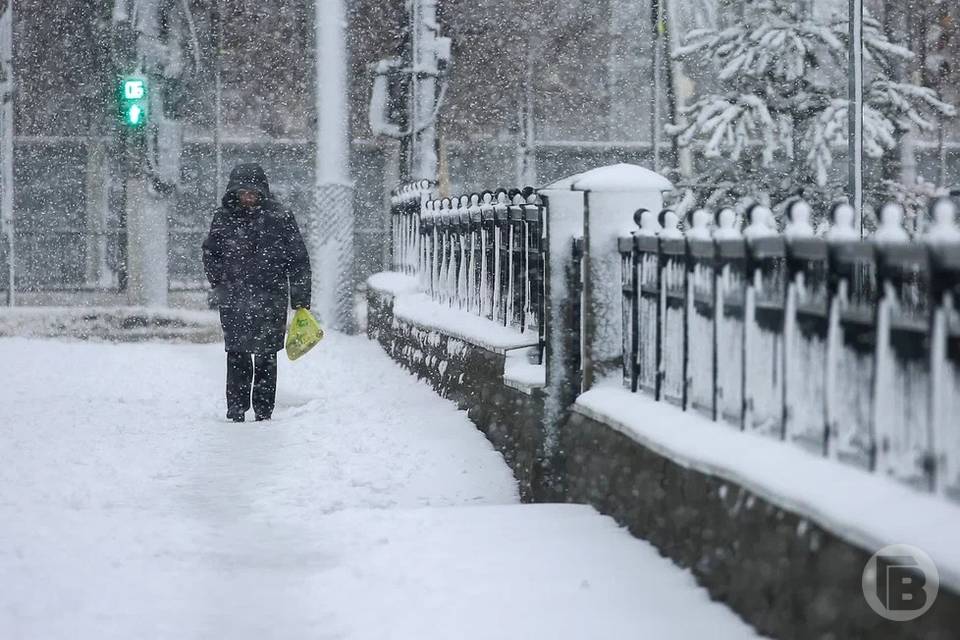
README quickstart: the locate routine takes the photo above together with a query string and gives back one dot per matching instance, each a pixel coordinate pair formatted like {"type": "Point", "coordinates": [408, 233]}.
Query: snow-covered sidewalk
{"type": "Point", "coordinates": [369, 508]}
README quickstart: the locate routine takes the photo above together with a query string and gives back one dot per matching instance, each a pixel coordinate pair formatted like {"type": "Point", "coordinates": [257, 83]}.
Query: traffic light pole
{"type": "Point", "coordinates": [135, 205]}
{"type": "Point", "coordinates": [142, 122]}
{"type": "Point", "coordinates": [146, 217]}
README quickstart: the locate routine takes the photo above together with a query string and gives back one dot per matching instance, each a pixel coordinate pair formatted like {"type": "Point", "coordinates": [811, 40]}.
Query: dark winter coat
{"type": "Point", "coordinates": [257, 262]}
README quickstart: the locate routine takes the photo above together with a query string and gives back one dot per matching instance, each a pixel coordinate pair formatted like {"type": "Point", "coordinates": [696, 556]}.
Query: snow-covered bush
{"type": "Point", "coordinates": [771, 114]}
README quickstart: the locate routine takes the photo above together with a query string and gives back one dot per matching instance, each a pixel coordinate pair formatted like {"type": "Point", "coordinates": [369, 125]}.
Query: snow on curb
{"type": "Point", "coordinates": [867, 510]}
{"type": "Point", "coordinates": [419, 309]}
{"type": "Point", "coordinates": [520, 374]}
{"type": "Point", "coordinates": [393, 283]}
{"type": "Point", "coordinates": [111, 323]}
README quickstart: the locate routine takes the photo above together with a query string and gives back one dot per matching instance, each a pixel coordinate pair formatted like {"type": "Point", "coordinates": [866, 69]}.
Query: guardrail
{"type": "Point", "coordinates": [482, 252]}
{"type": "Point", "coordinates": [850, 349]}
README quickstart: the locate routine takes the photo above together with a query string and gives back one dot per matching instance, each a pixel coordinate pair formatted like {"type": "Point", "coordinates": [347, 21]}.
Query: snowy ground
{"type": "Point", "coordinates": [368, 509]}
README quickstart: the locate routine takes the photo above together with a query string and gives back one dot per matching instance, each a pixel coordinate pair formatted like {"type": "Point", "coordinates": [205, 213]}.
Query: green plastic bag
{"type": "Point", "coordinates": [303, 335]}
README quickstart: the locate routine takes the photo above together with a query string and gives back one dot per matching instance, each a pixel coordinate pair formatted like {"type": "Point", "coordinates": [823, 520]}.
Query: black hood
{"type": "Point", "coordinates": [247, 176]}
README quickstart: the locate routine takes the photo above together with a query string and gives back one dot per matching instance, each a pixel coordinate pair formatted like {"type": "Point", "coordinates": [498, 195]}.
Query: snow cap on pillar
{"type": "Point", "coordinates": [615, 192]}
{"type": "Point", "coordinates": [563, 184]}
{"type": "Point", "coordinates": [621, 178]}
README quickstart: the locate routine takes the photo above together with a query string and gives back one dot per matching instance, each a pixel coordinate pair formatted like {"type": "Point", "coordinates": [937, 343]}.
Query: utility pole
{"type": "Point", "coordinates": [330, 234]}
{"type": "Point", "coordinates": [656, 9]}
{"type": "Point", "coordinates": [426, 69]}
{"type": "Point", "coordinates": [527, 153]}
{"type": "Point", "coordinates": [7, 92]}
{"type": "Point", "coordinates": [855, 109]}
{"type": "Point", "coordinates": [414, 80]}
{"type": "Point", "coordinates": [218, 93]}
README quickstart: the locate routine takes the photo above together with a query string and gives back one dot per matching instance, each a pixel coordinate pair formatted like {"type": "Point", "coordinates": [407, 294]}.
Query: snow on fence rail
{"type": "Point", "coordinates": [847, 348]}
{"type": "Point", "coordinates": [481, 253]}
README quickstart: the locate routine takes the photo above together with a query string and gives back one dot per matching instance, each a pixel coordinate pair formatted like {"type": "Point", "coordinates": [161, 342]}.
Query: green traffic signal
{"type": "Point", "coordinates": [134, 101]}
{"type": "Point", "coordinates": [134, 114]}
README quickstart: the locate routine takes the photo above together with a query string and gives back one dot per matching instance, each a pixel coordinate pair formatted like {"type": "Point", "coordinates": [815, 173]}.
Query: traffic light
{"type": "Point", "coordinates": [134, 100]}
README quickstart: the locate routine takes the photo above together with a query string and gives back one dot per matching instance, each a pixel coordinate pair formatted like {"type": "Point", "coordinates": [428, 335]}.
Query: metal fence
{"type": "Point", "coordinates": [481, 253]}
{"type": "Point", "coordinates": [848, 349]}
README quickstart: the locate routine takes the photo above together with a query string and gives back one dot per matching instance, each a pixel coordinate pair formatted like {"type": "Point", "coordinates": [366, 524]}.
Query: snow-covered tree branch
{"type": "Point", "coordinates": [773, 111]}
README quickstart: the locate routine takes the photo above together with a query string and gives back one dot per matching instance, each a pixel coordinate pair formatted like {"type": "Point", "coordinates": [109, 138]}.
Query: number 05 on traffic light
{"type": "Point", "coordinates": [134, 99]}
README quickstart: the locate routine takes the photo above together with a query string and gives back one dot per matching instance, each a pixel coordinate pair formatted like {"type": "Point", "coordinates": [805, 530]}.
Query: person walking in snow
{"type": "Point", "coordinates": [257, 263]}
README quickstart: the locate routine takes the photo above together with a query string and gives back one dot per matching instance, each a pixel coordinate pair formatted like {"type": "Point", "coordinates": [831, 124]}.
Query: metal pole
{"type": "Point", "coordinates": [657, 8]}
{"type": "Point", "coordinates": [413, 98]}
{"type": "Point", "coordinates": [6, 147]}
{"type": "Point", "coordinates": [146, 208]}
{"type": "Point", "coordinates": [855, 109]}
{"type": "Point", "coordinates": [527, 156]}
{"type": "Point", "coordinates": [218, 121]}
{"type": "Point", "coordinates": [425, 70]}
{"type": "Point", "coordinates": [941, 154]}
{"type": "Point", "coordinates": [330, 234]}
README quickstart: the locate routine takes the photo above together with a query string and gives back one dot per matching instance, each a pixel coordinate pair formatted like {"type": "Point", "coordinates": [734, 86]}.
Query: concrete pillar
{"type": "Point", "coordinates": [563, 224]}
{"type": "Point", "coordinates": [611, 196]}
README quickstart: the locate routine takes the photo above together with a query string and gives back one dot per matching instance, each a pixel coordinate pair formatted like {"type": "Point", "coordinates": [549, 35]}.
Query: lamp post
{"type": "Point", "coordinates": [330, 234]}
{"type": "Point", "coordinates": [217, 97]}
{"type": "Point", "coordinates": [855, 109]}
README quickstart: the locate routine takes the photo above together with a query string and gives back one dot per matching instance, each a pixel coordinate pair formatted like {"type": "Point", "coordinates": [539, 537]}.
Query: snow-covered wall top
{"type": "Point", "coordinates": [863, 508]}
{"type": "Point", "coordinates": [419, 309]}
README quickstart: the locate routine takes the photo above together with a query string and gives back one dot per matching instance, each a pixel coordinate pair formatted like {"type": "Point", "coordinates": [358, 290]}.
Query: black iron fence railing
{"type": "Point", "coordinates": [849, 349]}
{"type": "Point", "coordinates": [846, 348]}
{"type": "Point", "coordinates": [701, 359]}
{"type": "Point", "coordinates": [850, 352]}
{"type": "Point", "coordinates": [481, 253]}
{"type": "Point", "coordinates": [945, 364]}
{"type": "Point", "coordinates": [806, 329]}
{"type": "Point", "coordinates": [731, 292]}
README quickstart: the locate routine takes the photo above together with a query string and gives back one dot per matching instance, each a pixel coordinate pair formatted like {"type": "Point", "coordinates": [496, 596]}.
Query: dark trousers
{"type": "Point", "coordinates": [244, 369]}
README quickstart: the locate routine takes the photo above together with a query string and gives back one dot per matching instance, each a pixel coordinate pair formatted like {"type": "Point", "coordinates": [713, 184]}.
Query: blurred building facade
{"type": "Point", "coordinates": [585, 66]}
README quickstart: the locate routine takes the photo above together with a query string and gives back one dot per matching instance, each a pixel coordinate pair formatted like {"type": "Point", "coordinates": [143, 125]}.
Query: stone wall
{"type": "Point", "coordinates": [784, 574]}
{"type": "Point", "coordinates": [471, 376]}
{"type": "Point", "coordinates": [781, 572]}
